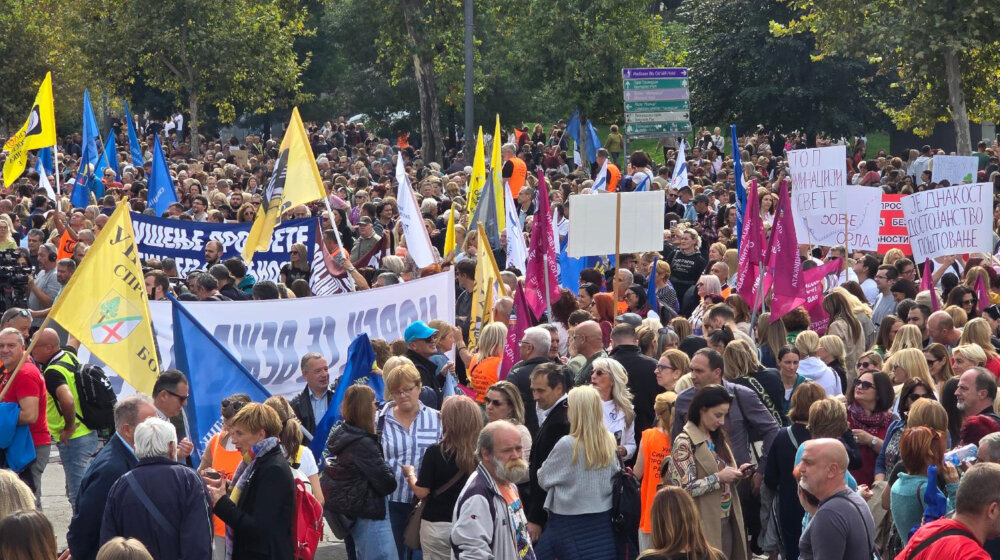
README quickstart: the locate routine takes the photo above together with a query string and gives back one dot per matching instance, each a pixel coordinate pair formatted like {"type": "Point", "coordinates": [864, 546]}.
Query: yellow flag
{"type": "Point", "coordinates": [449, 235]}
{"type": "Point", "coordinates": [487, 282]}
{"type": "Point", "coordinates": [104, 304]}
{"type": "Point", "coordinates": [295, 181]}
{"type": "Point", "coordinates": [39, 131]}
{"type": "Point", "coordinates": [496, 166]}
{"type": "Point", "coordinates": [478, 178]}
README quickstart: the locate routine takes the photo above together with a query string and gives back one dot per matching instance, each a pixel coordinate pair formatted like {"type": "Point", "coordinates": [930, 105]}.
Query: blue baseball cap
{"type": "Point", "coordinates": [418, 330]}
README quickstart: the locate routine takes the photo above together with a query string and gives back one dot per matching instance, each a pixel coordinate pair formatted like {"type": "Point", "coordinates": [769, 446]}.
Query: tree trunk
{"type": "Point", "coordinates": [193, 123]}
{"type": "Point", "coordinates": [956, 100]}
{"type": "Point", "coordinates": [423, 70]}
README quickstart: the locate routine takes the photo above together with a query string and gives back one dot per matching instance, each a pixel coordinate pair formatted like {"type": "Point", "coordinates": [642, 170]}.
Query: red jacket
{"type": "Point", "coordinates": [965, 547]}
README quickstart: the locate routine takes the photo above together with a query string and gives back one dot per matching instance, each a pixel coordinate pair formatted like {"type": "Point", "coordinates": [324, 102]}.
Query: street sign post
{"type": "Point", "coordinates": [657, 102]}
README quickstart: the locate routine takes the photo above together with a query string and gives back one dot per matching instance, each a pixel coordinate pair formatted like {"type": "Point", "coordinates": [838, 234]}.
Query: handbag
{"type": "Point", "coordinates": [411, 535]}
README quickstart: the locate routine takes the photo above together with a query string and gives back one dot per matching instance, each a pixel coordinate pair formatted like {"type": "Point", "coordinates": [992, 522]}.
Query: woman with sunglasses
{"type": "Point", "coordinates": [707, 286]}
{"type": "Point", "coordinates": [978, 332]}
{"type": "Point", "coordinates": [609, 378]}
{"type": "Point", "coordinates": [672, 365]}
{"type": "Point", "coordinates": [913, 390]}
{"type": "Point", "coordinates": [869, 414]}
{"type": "Point", "coordinates": [298, 267]}
{"type": "Point", "coordinates": [938, 364]}
{"type": "Point", "coordinates": [964, 298]}
{"type": "Point", "coordinates": [222, 457]}
{"type": "Point", "coordinates": [503, 402]}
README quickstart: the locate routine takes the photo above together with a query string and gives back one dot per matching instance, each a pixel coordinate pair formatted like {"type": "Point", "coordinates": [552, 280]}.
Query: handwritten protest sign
{"type": "Point", "coordinates": [950, 221]}
{"type": "Point", "coordinates": [850, 217]}
{"type": "Point", "coordinates": [817, 174]}
{"type": "Point", "coordinates": [892, 232]}
{"type": "Point", "coordinates": [956, 170]}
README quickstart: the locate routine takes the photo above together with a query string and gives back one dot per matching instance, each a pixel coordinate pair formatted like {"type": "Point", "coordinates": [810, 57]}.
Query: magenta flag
{"type": "Point", "coordinates": [927, 283]}
{"type": "Point", "coordinates": [981, 294]}
{"type": "Point", "coordinates": [519, 322]}
{"type": "Point", "coordinates": [813, 279]}
{"type": "Point", "coordinates": [783, 260]}
{"type": "Point", "coordinates": [752, 249]}
{"type": "Point", "coordinates": [541, 256]}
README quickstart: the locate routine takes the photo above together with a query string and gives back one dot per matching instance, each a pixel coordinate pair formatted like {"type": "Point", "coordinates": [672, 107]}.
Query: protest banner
{"type": "Point", "coordinates": [813, 279]}
{"type": "Point", "coordinates": [817, 176]}
{"type": "Point", "coordinates": [159, 238]}
{"type": "Point", "coordinates": [850, 217]}
{"type": "Point", "coordinates": [592, 230]}
{"type": "Point", "coordinates": [270, 337]}
{"type": "Point", "coordinates": [957, 170]}
{"type": "Point", "coordinates": [950, 221]}
{"type": "Point", "coordinates": [892, 232]}
{"type": "Point", "coordinates": [242, 157]}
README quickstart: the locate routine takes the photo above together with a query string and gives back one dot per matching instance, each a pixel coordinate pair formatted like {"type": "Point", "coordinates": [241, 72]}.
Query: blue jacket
{"type": "Point", "coordinates": [179, 495]}
{"type": "Point", "coordinates": [114, 460]}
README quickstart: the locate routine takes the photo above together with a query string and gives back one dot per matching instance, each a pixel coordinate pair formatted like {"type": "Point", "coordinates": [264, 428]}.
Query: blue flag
{"type": "Point", "coordinates": [360, 357]}
{"type": "Point", "coordinates": [213, 374]}
{"type": "Point", "coordinates": [593, 142]}
{"type": "Point", "coordinates": [741, 191]}
{"type": "Point", "coordinates": [45, 157]}
{"type": "Point", "coordinates": [108, 159]}
{"type": "Point", "coordinates": [161, 193]}
{"type": "Point", "coordinates": [133, 139]}
{"type": "Point", "coordinates": [573, 127]}
{"type": "Point", "coordinates": [88, 156]}
{"type": "Point", "coordinates": [654, 301]}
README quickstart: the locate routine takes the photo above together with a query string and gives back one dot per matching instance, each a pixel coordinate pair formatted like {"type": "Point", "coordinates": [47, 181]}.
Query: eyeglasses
{"type": "Point", "coordinates": [661, 367]}
{"type": "Point", "coordinates": [863, 365]}
{"type": "Point", "coordinates": [494, 402]}
{"type": "Point", "coordinates": [914, 397]}
{"type": "Point", "coordinates": [864, 385]}
{"type": "Point", "coordinates": [403, 391]}
{"type": "Point", "coordinates": [182, 398]}
{"type": "Point", "coordinates": [235, 405]}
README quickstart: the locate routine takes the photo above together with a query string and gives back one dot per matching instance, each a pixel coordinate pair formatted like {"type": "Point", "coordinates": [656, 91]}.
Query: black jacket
{"type": "Point", "coordinates": [428, 373]}
{"type": "Point", "coordinates": [555, 427]}
{"type": "Point", "coordinates": [520, 376]}
{"type": "Point", "coordinates": [302, 405]}
{"type": "Point", "coordinates": [641, 370]}
{"type": "Point", "coordinates": [111, 462]}
{"type": "Point", "coordinates": [262, 519]}
{"type": "Point", "coordinates": [356, 478]}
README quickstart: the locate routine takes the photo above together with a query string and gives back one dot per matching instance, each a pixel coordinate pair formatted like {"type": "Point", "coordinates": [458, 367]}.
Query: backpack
{"type": "Point", "coordinates": [308, 526]}
{"type": "Point", "coordinates": [626, 507]}
{"type": "Point", "coordinates": [96, 396]}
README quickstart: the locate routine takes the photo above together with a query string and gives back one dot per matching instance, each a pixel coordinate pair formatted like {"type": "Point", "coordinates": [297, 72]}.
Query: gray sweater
{"type": "Point", "coordinates": [573, 490]}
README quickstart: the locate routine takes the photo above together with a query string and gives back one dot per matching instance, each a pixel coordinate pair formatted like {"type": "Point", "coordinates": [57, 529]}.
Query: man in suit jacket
{"type": "Point", "coordinates": [641, 370]}
{"type": "Point", "coordinates": [549, 391]}
{"type": "Point", "coordinates": [311, 404]}
{"type": "Point", "coordinates": [534, 352]}
{"type": "Point", "coordinates": [114, 460]}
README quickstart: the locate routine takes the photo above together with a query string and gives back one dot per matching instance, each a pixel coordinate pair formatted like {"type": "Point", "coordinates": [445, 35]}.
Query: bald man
{"type": "Point", "coordinates": [842, 527]}
{"type": "Point", "coordinates": [941, 329]}
{"type": "Point", "coordinates": [589, 340]}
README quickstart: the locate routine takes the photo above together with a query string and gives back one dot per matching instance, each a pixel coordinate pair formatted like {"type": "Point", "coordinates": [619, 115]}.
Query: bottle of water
{"type": "Point", "coordinates": [964, 453]}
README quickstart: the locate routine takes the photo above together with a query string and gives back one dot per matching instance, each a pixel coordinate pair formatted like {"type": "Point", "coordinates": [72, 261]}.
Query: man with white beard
{"type": "Point", "coordinates": [489, 516]}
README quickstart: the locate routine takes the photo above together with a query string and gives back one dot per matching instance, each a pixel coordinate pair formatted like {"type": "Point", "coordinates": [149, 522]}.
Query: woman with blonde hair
{"type": "Point", "coordinates": [298, 267]}
{"type": "Point", "coordinates": [979, 332]}
{"type": "Point", "coordinates": [892, 255]}
{"type": "Point", "coordinates": [654, 447]}
{"type": "Point", "coordinates": [831, 350]}
{"type": "Point", "coordinates": [673, 365]}
{"type": "Point", "coordinates": [675, 530]}
{"type": "Point", "coordinates": [681, 326]}
{"type": "Point", "coordinates": [845, 325]}
{"type": "Point", "coordinates": [740, 366]}
{"type": "Point", "coordinates": [708, 285]}
{"type": "Point", "coordinates": [443, 473]}
{"type": "Point", "coordinates": [909, 336]}
{"type": "Point", "coordinates": [15, 495]}
{"type": "Point", "coordinates": [701, 462]}
{"type": "Point", "coordinates": [862, 312]}
{"type": "Point", "coordinates": [967, 356]}
{"type": "Point", "coordinates": [485, 366]}
{"type": "Point", "coordinates": [120, 548]}
{"type": "Point", "coordinates": [907, 364]}
{"type": "Point", "coordinates": [609, 378]}
{"type": "Point", "coordinates": [6, 233]}
{"type": "Point", "coordinates": [577, 477]}
{"type": "Point", "coordinates": [813, 368]}
{"type": "Point", "coordinates": [770, 338]}
{"type": "Point", "coordinates": [504, 402]}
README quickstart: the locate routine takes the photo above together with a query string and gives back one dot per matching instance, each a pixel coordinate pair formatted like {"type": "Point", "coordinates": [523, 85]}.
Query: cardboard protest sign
{"type": "Point", "coordinates": [892, 232]}
{"type": "Point", "coordinates": [950, 221]}
{"type": "Point", "coordinates": [593, 222]}
{"type": "Point", "coordinates": [242, 157]}
{"type": "Point", "coordinates": [850, 217]}
{"type": "Point", "coordinates": [956, 170]}
{"type": "Point", "coordinates": [817, 174]}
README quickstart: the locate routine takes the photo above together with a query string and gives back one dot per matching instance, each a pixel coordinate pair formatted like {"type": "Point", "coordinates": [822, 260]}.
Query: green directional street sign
{"type": "Point", "coordinates": [657, 106]}
{"type": "Point", "coordinates": [654, 128]}
{"type": "Point", "coordinates": [662, 116]}
{"type": "Point", "coordinates": [660, 83]}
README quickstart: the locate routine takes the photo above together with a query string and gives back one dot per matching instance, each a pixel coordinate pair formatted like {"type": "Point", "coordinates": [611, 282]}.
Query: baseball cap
{"type": "Point", "coordinates": [629, 318]}
{"type": "Point", "coordinates": [418, 330]}
{"type": "Point", "coordinates": [365, 220]}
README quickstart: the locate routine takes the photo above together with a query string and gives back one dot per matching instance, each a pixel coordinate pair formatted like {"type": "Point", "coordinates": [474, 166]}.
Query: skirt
{"type": "Point", "coordinates": [577, 537]}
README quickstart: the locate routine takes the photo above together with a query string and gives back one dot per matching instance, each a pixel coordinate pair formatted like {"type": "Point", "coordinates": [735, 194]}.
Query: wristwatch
{"type": "Point", "coordinates": [874, 443]}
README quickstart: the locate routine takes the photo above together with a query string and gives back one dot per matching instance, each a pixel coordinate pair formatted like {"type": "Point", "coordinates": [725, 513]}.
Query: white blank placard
{"type": "Point", "coordinates": [593, 218]}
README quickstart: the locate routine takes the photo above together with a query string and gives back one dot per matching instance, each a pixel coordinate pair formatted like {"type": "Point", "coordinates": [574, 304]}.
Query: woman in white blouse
{"type": "Point", "coordinates": [609, 378]}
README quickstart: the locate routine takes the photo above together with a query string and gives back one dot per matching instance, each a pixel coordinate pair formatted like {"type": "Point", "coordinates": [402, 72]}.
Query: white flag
{"type": "Point", "coordinates": [680, 177]}
{"type": "Point", "coordinates": [43, 181]}
{"type": "Point", "coordinates": [418, 244]}
{"type": "Point", "coordinates": [601, 181]}
{"type": "Point", "coordinates": [517, 251]}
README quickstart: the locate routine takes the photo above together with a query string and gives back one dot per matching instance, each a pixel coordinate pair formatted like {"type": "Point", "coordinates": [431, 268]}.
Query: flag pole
{"type": "Point", "coordinates": [758, 299]}
{"type": "Point", "coordinates": [618, 242]}
{"type": "Point", "coordinates": [55, 167]}
{"type": "Point", "coordinates": [847, 252]}
{"type": "Point", "coordinates": [24, 358]}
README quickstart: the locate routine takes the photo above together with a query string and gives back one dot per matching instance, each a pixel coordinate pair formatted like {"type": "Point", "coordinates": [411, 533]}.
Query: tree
{"type": "Point", "coordinates": [745, 75]}
{"type": "Point", "coordinates": [943, 55]}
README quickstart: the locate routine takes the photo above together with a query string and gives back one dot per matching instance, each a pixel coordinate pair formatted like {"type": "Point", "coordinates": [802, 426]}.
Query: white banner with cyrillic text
{"type": "Point", "coordinates": [950, 221]}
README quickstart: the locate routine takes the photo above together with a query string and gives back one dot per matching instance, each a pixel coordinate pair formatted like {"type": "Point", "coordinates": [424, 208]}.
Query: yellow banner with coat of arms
{"type": "Point", "coordinates": [104, 305]}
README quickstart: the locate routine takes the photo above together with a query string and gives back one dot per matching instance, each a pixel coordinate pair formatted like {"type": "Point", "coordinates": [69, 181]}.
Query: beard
{"type": "Point", "coordinates": [961, 406]}
{"type": "Point", "coordinates": [511, 471]}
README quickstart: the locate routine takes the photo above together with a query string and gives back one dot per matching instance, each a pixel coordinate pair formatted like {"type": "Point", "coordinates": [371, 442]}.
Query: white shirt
{"type": "Point", "coordinates": [871, 290]}
{"type": "Point", "coordinates": [614, 421]}
{"type": "Point", "coordinates": [543, 414]}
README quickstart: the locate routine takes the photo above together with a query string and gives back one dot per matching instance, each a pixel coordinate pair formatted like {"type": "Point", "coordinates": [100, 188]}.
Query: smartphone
{"type": "Point", "coordinates": [749, 471]}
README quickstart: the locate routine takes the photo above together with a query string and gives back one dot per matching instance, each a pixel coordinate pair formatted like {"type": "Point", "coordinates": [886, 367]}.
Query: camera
{"type": "Point", "coordinates": [13, 280]}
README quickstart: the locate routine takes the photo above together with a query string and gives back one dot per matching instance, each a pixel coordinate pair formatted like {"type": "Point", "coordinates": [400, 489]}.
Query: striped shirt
{"type": "Point", "coordinates": [407, 447]}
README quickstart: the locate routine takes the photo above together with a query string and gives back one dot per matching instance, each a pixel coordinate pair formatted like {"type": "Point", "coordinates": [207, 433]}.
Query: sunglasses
{"type": "Point", "coordinates": [182, 398]}
{"type": "Point", "coordinates": [864, 385]}
{"type": "Point", "coordinates": [863, 365]}
{"type": "Point", "coordinates": [233, 404]}
{"type": "Point", "coordinates": [494, 402]}
{"type": "Point", "coordinates": [599, 372]}
{"type": "Point", "coordinates": [932, 362]}
{"type": "Point", "coordinates": [914, 397]}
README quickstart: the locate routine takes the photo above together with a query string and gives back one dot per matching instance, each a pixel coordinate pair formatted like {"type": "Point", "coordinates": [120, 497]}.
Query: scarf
{"type": "Point", "coordinates": [874, 423]}
{"type": "Point", "coordinates": [244, 472]}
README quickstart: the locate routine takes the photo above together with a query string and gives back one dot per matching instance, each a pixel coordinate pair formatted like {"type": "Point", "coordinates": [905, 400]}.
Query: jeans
{"type": "Point", "coordinates": [32, 474]}
{"type": "Point", "coordinates": [398, 513]}
{"type": "Point", "coordinates": [76, 455]}
{"type": "Point", "coordinates": [373, 539]}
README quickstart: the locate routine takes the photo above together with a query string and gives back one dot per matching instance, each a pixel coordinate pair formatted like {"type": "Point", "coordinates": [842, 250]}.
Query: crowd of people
{"type": "Point", "coordinates": [746, 436]}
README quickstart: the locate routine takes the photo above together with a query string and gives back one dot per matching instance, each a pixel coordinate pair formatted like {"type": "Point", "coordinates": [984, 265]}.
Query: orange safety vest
{"type": "Point", "coordinates": [614, 175]}
{"type": "Point", "coordinates": [66, 246]}
{"type": "Point", "coordinates": [517, 176]}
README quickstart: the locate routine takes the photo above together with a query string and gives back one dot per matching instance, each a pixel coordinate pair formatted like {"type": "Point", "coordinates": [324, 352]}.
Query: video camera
{"type": "Point", "coordinates": [13, 280]}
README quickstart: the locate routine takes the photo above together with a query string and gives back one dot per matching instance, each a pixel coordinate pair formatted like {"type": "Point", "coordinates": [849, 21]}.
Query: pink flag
{"type": "Point", "coordinates": [981, 294]}
{"type": "Point", "coordinates": [752, 249]}
{"type": "Point", "coordinates": [541, 256]}
{"type": "Point", "coordinates": [927, 283]}
{"type": "Point", "coordinates": [813, 281]}
{"type": "Point", "coordinates": [783, 260]}
{"type": "Point", "coordinates": [520, 320]}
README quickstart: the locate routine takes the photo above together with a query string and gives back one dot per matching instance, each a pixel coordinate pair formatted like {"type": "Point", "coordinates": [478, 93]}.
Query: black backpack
{"type": "Point", "coordinates": [626, 507]}
{"type": "Point", "coordinates": [97, 398]}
